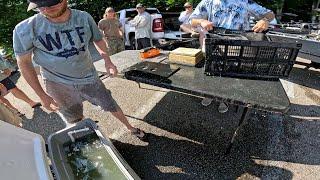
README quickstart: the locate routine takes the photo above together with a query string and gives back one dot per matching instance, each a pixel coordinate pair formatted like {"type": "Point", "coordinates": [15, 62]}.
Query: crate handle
{"type": "Point", "coordinates": [70, 133]}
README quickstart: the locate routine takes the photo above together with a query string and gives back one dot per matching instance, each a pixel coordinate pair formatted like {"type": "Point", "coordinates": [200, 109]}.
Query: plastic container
{"type": "Point", "coordinates": [149, 52]}
{"type": "Point", "coordinates": [255, 58]}
{"type": "Point", "coordinates": [23, 154]}
{"type": "Point", "coordinates": [81, 151]}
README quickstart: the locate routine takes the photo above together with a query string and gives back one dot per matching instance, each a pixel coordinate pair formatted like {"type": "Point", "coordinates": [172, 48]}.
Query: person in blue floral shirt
{"type": "Point", "coordinates": [229, 14]}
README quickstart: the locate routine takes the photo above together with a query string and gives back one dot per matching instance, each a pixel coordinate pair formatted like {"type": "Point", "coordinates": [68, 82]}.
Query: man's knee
{"type": "Point", "coordinates": [70, 118]}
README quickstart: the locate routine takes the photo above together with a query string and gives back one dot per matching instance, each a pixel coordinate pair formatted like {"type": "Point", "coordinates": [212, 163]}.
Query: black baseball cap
{"type": "Point", "coordinates": [42, 3]}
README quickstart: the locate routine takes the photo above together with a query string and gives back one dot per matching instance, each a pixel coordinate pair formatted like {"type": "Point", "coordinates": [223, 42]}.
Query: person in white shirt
{"type": "Point", "coordinates": [184, 19]}
{"type": "Point", "coordinates": [142, 24]}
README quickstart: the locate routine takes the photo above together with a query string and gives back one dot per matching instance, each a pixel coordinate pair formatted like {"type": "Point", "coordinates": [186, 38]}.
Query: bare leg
{"type": "Point", "coordinates": [119, 115]}
{"type": "Point", "coordinates": [135, 131]}
{"type": "Point", "coordinates": [7, 103]}
{"type": "Point", "coordinates": [21, 95]}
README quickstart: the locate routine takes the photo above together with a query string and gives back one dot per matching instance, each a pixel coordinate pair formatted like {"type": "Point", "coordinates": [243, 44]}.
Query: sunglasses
{"type": "Point", "coordinates": [188, 7]}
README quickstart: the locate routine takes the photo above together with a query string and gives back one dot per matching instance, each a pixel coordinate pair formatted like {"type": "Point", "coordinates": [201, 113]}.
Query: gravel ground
{"type": "Point", "coordinates": [188, 141]}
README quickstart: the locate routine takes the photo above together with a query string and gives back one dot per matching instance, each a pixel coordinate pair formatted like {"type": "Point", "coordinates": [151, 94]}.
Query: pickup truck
{"type": "Point", "coordinates": [157, 25]}
{"type": "Point", "coordinates": [165, 31]}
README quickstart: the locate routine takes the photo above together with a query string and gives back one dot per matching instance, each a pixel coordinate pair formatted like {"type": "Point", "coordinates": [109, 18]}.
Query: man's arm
{"type": "Point", "coordinates": [134, 22]}
{"type": "Point", "coordinates": [121, 32]}
{"type": "Point", "coordinates": [121, 29]}
{"type": "Point", "coordinates": [261, 12]}
{"type": "Point", "coordinates": [269, 16]}
{"type": "Point", "coordinates": [205, 24]}
{"type": "Point", "coordinates": [263, 24]}
{"type": "Point", "coordinates": [197, 18]}
{"type": "Point", "coordinates": [102, 49]}
{"type": "Point", "coordinates": [29, 74]}
{"type": "Point", "coordinates": [143, 21]}
{"type": "Point", "coordinates": [3, 90]}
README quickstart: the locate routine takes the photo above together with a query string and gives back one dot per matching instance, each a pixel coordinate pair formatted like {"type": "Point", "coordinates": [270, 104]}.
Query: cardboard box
{"type": "Point", "coordinates": [186, 56]}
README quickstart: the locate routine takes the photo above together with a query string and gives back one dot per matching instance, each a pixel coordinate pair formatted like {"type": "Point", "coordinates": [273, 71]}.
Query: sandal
{"type": "Point", "coordinates": [36, 105]}
{"type": "Point", "coordinates": [138, 133]}
{"type": "Point", "coordinates": [20, 114]}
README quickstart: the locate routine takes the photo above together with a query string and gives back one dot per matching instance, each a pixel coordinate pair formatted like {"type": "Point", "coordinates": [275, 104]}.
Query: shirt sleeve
{"type": "Point", "coordinates": [22, 39]}
{"type": "Point", "coordinates": [256, 10]}
{"type": "Point", "coordinates": [143, 21]}
{"type": "Point", "coordinates": [96, 33]}
{"type": "Point", "coordinates": [182, 16]}
{"type": "Point", "coordinates": [200, 11]}
{"type": "Point", "coordinates": [134, 21]}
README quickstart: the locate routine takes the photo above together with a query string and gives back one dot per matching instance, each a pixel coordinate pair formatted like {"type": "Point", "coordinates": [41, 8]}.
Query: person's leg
{"type": "Point", "coordinates": [120, 46]}
{"type": "Point", "coordinates": [7, 103]}
{"type": "Point", "coordinates": [21, 95]}
{"type": "Point", "coordinates": [112, 46]}
{"type": "Point", "coordinates": [12, 88]}
{"type": "Point", "coordinates": [97, 94]}
{"type": "Point", "coordinates": [139, 44]}
{"type": "Point", "coordinates": [68, 100]}
{"type": "Point", "coordinates": [146, 42]}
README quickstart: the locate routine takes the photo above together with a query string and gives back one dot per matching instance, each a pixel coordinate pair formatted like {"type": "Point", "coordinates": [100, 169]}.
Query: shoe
{"type": "Point", "coordinates": [206, 101]}
{"type": "Point", "coordinates": [223, 108]}
{"type": "Point", "coordinates": [36, 105]}
{"type": "Point", "coordinates": [20, 114]}
{"type": "Point", "coordinates": [195, 35]}
{"type": "Point", "coordinates": [315, 65]}
{"type": "Point", "coordinates": [139, 133]}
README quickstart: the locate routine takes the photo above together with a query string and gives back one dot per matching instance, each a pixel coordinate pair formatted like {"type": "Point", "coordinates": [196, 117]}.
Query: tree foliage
{"type": "Point", "coordinates": [14, 11]}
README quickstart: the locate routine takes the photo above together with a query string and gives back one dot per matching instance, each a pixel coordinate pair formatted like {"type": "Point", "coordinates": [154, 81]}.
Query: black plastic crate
{"type": "Point", "coordinates": [254, 59]}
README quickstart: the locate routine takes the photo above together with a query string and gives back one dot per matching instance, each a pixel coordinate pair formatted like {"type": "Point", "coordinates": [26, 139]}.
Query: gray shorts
{"type": "Point", "coordinates": [71, 97]}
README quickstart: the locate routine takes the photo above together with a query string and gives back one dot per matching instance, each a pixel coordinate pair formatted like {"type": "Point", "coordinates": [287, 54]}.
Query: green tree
{"type": "Point", "coordinates": [12, 12]}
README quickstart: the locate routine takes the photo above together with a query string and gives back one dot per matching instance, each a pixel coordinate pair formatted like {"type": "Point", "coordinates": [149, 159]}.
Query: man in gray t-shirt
{"type": "Point", "coordinates": [57, 39]}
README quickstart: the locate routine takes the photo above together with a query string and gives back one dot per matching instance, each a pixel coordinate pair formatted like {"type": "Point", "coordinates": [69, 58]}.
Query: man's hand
{"type": "Point", "coordinates": [48, 103]}
{"type": "Point", "coordinates": [206, 25]}
{"type": "Point", "coordinates": [3, 90]}
{"type": "Point", "coordinates": [261, 26]}
{"type": "Point", "coordinates": [111, 69]}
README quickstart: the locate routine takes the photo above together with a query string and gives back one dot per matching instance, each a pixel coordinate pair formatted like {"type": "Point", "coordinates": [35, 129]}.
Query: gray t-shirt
{"type": "Point", "coordinates": [61, 49]}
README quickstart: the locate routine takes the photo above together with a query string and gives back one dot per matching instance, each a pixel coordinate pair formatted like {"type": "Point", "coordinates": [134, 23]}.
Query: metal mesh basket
{"type": "Point", "coordinates": [249, 58]}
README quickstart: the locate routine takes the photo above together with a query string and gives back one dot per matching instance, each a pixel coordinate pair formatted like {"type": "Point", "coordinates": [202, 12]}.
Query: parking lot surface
{"type": "Point", "coordinates": [187, 140]}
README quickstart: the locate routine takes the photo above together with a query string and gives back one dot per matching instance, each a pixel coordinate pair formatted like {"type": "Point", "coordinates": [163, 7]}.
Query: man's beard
{"type": "Point", "coordinates": [58, 14]}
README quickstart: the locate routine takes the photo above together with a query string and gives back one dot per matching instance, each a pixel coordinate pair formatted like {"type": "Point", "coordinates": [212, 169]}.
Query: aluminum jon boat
{"type": "Point", "coordinates": [310, 47]}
